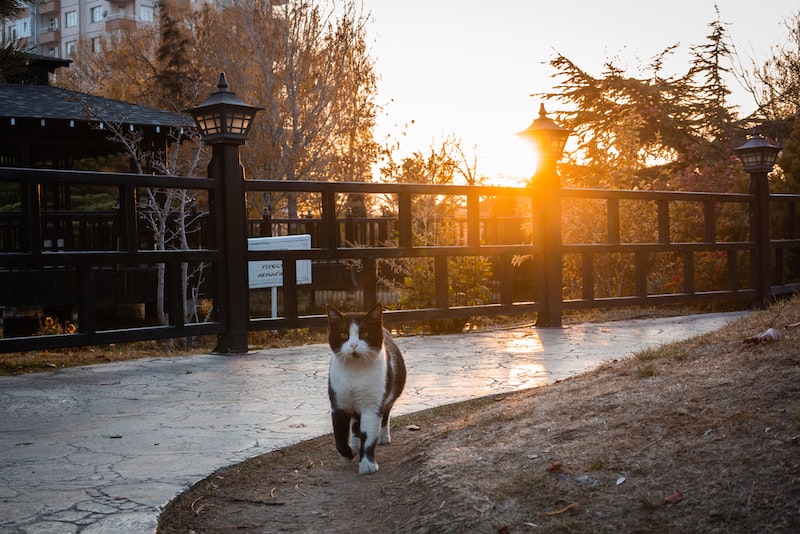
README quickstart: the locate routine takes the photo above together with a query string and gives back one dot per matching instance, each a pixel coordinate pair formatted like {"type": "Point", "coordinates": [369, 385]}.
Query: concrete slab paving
{"type": "Point", "coordinates": [102, 448]}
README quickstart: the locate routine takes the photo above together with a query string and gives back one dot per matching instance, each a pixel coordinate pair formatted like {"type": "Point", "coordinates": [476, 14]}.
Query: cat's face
{"type": "Point", "coordinates": [355, 335]}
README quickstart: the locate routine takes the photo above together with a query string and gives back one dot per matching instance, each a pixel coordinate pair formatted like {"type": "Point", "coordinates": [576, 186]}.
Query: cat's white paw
{"type": "Point", "coordinates": [384, 438]}
{"type": "Point", "coordinates": [365, 467]}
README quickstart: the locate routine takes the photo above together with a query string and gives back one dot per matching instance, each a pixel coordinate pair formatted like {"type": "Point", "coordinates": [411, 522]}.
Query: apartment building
{"type": "Point", "coordinates": [56, 27]}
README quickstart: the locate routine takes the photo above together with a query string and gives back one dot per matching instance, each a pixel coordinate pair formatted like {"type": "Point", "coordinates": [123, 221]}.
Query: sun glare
{"type": "Point", "coordinates": [513, 162]}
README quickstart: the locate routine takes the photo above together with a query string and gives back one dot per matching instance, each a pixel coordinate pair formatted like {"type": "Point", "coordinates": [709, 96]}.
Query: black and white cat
{"type": "Point", "coordinates": [367, 374]}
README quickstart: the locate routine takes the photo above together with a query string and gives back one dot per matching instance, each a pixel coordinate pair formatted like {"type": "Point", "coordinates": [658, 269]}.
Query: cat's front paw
{"type": "Point", "coordinates": [366, 467]}
{"type": "Point", "coordinates": [346, 452]}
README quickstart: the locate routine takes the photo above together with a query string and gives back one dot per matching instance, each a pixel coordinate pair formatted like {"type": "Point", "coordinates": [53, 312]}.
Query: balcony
{"type": "Point", "coordinates": [49, 35]}
{"type": "Point", "coordinates": [120, 21]}
{"type": "Point", "coordinates": [53, 6]}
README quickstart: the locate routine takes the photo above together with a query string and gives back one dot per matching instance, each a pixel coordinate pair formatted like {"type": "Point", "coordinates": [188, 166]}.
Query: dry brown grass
{"type": "Point", "coordinates": [697, 436]}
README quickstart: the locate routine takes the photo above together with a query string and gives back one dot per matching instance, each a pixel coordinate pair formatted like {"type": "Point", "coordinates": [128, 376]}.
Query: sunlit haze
{"type": "Point", "coordinates": [467, 68]}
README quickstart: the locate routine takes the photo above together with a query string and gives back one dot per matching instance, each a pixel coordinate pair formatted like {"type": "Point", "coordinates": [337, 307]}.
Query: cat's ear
{"type": "Point", "coordinates": [375, 313]}
{"type": "Point", "coordinates": [333, 313]}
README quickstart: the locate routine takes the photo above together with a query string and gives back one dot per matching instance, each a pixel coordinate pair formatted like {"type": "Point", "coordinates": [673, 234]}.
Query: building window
{"type": "Point", "coordinates": [95, 44]}
{"type": "Point", "coordinates": [71, 19]}
{"type": "Point", "coordinates": [69, 48]}
{"type": "Point", "coordinates": [146, 14]}
{"type": "Point", "coordinates": [97, 14]}
{"type": "Point", "coordinates": [19, 30]}
{"type": "Point", "coordinates": [53, 25]}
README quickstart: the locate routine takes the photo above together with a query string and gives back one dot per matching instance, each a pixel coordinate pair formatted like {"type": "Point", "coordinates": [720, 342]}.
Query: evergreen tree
{"type": "Point", "coordinates": [711, 63]}
{"type": "Point", "coordinates": [175, 79]}
{"type": "Point", "coordinates": [652, 132]}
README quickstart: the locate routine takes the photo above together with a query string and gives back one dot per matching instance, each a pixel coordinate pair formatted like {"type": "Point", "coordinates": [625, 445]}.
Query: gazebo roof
{"type": "Point", "coordinates": [45, 102]}
{"type": "Point", "coordinates": [45, 126]}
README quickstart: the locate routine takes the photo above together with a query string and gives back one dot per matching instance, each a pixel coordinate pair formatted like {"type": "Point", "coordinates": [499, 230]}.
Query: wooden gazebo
{"type": "Point", "coordinates": [48, 127]}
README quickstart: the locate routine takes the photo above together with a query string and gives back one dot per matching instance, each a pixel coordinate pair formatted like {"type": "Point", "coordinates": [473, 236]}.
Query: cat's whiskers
{"type": "Point", "coordinates": [366, 357]}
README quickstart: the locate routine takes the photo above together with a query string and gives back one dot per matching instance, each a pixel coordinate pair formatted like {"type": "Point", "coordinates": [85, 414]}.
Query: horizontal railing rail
{"type": "Point", "coordinates": [641, 237]}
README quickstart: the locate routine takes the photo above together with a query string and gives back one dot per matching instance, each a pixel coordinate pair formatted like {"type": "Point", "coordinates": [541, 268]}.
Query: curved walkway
{"type": "Point", "coordinates": [100, 449]}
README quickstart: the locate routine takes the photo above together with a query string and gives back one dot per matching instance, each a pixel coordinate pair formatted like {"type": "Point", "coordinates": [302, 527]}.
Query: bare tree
{"type": "Point", "coordinates": [775, 83]}
{"type": "Point", "coordinates": [133, 67]}
{"type": "Point", "coordinates": [310, 68]}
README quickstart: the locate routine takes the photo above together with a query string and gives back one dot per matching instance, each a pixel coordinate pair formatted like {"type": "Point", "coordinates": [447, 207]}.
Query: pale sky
{"type": "Point", "coordinates": [467, 68]}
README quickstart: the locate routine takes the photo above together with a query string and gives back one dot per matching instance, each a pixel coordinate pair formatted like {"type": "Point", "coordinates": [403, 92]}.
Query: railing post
{"type": "Point", "coordinates": [266, 224]}
{"type": "Point", "coordinates": [349, 228]}
{"type": "Point", "coordinates": [759, 233]}
{"type": "Point", "coordinates": [232, 290]}
{"type": "Point", "coordinates": [547, 191]}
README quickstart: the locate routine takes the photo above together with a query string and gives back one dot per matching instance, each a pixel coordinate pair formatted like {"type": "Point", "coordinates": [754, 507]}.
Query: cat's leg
{"type": "Point", "coordinates": [370, 428]}
{"type": "Point", "coordinates": [385, 436]}
{"type": "Point", "coordinates": [355, 434]}
{"type": "Point", "coordinates": [341, 431]}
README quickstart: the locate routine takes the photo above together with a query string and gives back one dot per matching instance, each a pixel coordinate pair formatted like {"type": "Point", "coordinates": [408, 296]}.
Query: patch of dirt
{"type": "Point", "coordinates": [697, 436]}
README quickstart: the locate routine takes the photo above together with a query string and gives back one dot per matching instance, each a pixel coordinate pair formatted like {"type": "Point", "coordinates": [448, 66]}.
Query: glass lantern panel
{"type": "Point", "coordinates": [237, 123]}
{"type": "Point", "coordinates": [210, 124]}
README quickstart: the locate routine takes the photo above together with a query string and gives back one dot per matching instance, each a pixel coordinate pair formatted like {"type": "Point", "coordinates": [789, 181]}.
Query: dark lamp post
{"type": "Point", "coordinates": [758, 159]}
{"type": "Point", "coordinates": [224, 122]}
{"type": "Point", "coordinates": [224, 118]}
{"type": "Point", "coordinates": [548, 137]}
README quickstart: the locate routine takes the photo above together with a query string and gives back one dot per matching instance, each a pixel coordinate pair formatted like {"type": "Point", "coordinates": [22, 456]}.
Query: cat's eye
{"type": "Point", "coordinates": [343, 336]}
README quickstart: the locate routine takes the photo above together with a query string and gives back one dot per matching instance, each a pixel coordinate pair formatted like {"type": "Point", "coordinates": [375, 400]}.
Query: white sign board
{"type": "Point", "coordinates": [269, 273]}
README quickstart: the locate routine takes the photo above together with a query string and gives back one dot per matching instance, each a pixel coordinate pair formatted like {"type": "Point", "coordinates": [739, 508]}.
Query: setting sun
{"type": "Point", "coordinates": [460, 68]}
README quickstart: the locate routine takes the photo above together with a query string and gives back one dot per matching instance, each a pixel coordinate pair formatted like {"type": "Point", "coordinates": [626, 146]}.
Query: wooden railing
{"type": "Point", "coordinates": [643, 233]}
{"type": "Point", "coordinates": [43, 268]}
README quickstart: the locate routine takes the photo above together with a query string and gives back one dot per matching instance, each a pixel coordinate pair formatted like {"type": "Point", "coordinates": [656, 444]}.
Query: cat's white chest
{"type": "Point", "coordinates": [359, 386]}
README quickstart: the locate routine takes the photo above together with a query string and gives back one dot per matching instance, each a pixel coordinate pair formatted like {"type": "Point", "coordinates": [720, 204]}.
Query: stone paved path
{"type": "Point", "coordinates": [100, 449]}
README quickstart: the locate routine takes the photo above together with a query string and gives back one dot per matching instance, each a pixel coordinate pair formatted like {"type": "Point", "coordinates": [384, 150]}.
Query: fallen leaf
{"type": "Point", "coordinates": [675, 498]}
{"type": "Point", "coordinates": [567, 508]}
{"type": "Point", "coordinates": [620, 480]}
{"type": "Point", "coordinates": [413, 428]}
{"type": "Point", "coordinates": [552, 468]}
